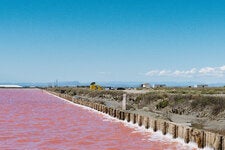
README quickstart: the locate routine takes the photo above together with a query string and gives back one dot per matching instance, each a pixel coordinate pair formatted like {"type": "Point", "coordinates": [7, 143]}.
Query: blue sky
{"type": "Point", "coordinates": [112, 40]}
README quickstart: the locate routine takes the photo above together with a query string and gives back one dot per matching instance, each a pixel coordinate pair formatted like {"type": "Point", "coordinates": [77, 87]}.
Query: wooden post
{"type": "Point", "coordinates": [124, 102]}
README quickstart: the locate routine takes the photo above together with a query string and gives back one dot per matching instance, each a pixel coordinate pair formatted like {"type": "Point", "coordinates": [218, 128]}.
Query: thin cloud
{"type": "Point", "coordinates": [222, 68]}
{"type": "Point", "coordinates": [152, 73]}
{"type": "Point", "coordinates": [104, 73]}
{"type": "Point", "coordinates": [164, 72]}
{"type": "Point", "coordinates": [194, 72]}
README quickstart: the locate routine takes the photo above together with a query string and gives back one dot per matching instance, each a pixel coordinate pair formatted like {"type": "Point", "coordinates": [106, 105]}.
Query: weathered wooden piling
{"type": "Point", "coordinates": [163, 127]}
{"type": "Point", "coordinates": [102, 108]}
{"type": "Point", "coordinates": [214, 140]}
{"type": "Point", "coordinates": [122, 115]}
{"type": "Point", "coordinates": [140, 120]}
{"type": "Point", "coordinates": [184, 133]}
{"type": "Point", "coordinates": [153, 124]}
{"type": "Point", "coordinates": [133, 118]}
{"type": "Point", "coordinates": [109, 111]}
{"type": "Point", "coordinates": [99, 107]}
{"type": "Point", "coordinates": [172, 129]}
{"type": "Point", "coordinates": [223, 142]}
{"type": "Point", "coordinates": [118, 114]}
{"type": "Point", "coordinates": [127, 116]}
{"type": "Point", "coordinates": [196, 136]}
{"type": "Point", "coordinates": [114, 113]}
{"type": "Point", "coordinates": [146, 122]}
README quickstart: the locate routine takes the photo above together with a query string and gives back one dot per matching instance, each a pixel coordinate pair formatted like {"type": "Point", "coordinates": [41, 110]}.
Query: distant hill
{"type": "Point", "coordinates": [69, 83]}
{"type": "Point", "coordinates": [109, 84]}
{"type": "Point", "coordinates": [120, 84]}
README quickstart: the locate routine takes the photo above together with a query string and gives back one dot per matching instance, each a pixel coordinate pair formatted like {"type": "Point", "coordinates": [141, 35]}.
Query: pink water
{"type": "Point", "coordinates": [33, 119]}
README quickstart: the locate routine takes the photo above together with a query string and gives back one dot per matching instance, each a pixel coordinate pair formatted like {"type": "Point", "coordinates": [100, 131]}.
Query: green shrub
{"type": "Point", "coordinates": [162, 104]}
{"type": "Point", "coordinates": [62, 91]}
{"type": "Point", "coordinates": [72, 93]}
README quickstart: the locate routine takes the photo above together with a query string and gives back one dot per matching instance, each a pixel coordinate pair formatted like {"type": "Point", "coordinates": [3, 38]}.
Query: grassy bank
{"type": "Point", "coordinates": [181, 100]}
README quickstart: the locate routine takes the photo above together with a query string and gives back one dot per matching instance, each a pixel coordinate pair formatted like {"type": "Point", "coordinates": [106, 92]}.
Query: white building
{"type": "Point", "coordinates": [158, 85]}
{"type": "Point", "coordinates": [201, 86]}
{"type": "Point", "coordinates": [146, 85]}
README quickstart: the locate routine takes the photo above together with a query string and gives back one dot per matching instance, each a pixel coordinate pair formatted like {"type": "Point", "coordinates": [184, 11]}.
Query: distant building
{"type": "Point", "coordinates": [120, 88]}
{"type": "Point", "coordinates": [201, 86]}
{"type": "Point", "coordinates": [109, 88]}
{"type": "Point", "coordinates": [146, 85]}
{"type": "Point", "coordinates": [159, 85]}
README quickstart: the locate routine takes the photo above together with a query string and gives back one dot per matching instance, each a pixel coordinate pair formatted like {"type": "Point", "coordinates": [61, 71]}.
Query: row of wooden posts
{"type": "Point", "coordinates": [200, 137]}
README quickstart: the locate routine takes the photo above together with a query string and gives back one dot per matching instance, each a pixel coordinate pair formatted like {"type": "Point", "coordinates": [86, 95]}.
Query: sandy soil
{"type": "Point", "coordinates": [188, 120]}
{"type": "Point", "coordinates": [137, 91]}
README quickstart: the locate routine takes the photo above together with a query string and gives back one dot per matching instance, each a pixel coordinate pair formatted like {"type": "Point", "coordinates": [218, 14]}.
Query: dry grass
{"type": "Point", "coordinates": [160, 98]}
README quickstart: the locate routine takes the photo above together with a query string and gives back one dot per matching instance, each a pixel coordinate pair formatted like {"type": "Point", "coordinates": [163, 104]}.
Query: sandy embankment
{"type": "Point", "coordinates": [193, 119]}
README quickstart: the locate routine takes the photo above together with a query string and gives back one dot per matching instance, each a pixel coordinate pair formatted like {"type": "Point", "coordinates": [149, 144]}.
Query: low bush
{"type": "Point", "coordinates": [162, 104]}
